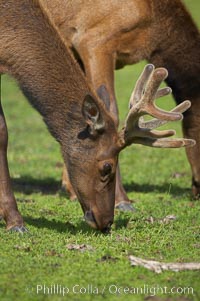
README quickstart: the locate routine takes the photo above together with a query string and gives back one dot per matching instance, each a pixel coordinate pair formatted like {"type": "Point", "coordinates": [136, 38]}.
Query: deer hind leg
{"type": "Point", "coordinates": [8, 205]}
{"type": "Point", "coordinates": [191, 129]}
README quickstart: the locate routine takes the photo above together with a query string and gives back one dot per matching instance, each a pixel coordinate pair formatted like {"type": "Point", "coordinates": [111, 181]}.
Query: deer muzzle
{"type": "Point", "coordinates": [104, 227]}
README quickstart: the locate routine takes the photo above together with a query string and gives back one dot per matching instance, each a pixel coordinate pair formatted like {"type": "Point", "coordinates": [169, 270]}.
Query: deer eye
{"type": "Point", "coordinates": [107, 169]}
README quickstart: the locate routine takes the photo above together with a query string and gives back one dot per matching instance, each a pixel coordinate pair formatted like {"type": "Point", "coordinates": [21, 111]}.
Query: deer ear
{"type": "Point", "coordinates": [92, 115]}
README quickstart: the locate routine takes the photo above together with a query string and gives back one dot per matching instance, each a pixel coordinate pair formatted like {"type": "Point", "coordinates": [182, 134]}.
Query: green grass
{"type": "Point", "coordinates": [158, 180]}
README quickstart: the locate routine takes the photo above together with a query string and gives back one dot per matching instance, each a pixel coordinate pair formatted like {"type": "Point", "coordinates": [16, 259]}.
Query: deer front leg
{"type": "Point", "coordinates": [99, 69]}
{"type": "Point", "coordinates": [8, 205]}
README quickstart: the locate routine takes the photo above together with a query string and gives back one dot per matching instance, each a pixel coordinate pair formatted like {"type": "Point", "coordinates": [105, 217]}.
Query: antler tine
{"type": "Point", "coordinates": [155, 123]}
{"type": "Point", "coordinates": [147, 101]}
{"type": "Point", "coordinates": [160, 93]}
{"type": "Point", "coordinates": [140, 85]}
{"type": "Point", "coordinates": [136, 131]}
{"type": "Point", "coordinates": [165, 143]}
{"type": "Point", "coordinates": [146, 105]}
{"type": "Point", "coordinates": [163, 92]}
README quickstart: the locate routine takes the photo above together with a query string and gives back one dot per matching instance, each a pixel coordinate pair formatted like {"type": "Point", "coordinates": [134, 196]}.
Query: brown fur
{"type": "Point", "coordinates": [35, 55]}
{"type": "Point", "coordinates": [107, 36]}
{"type": "Point", "coordinates": [32, 51]}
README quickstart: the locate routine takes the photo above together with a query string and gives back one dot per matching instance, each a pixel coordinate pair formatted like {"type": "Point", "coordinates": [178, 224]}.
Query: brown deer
{"type": "Point", "coordinates": [109, 35]}
{"type": "Point", "coordinates": [36, 56]}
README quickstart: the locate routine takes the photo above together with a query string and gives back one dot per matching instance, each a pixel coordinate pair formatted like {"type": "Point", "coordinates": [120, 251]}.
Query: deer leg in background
{"type": "Point", "coordinates": [122, 201]}
{"type": "Point", "coordinates": [191, 129]}
{"type": "Point", "coordinates": [8, 205]}
{"type": "Point", "coordinates": [67, 186]}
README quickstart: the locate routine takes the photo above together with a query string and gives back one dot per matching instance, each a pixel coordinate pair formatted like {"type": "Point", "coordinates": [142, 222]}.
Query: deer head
{"type": "Point", "coordinates": [92, 172]}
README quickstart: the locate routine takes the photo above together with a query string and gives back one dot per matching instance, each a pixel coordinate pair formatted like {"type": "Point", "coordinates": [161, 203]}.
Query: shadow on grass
{"type": "Point", "coordinates": [59, 226]}
{"type": "Point", "coordinates": [121, 221]}
{"type": "Point", "coordinates": [29, 185]}
{"type": "Point", "coordinates": [50, 186]}
{"type": "Point", "coordinates": [163, 188]}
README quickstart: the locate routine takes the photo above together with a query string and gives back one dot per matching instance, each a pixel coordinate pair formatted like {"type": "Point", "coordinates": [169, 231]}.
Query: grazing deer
{"type": "Point", "coordinates": [109, 35]}
{"type": "Point", "coordinates": [36, 56]}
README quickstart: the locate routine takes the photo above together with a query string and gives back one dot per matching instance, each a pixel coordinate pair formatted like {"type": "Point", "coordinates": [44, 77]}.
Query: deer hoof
{"type": "Point", "coordinates": [125, 207]}
{"type": "Point", "coordinates": [19, 229]}
{"type": "Point", "coordinates": [196, 190]}
{"type": "Point", "coordinates": [72, 196]}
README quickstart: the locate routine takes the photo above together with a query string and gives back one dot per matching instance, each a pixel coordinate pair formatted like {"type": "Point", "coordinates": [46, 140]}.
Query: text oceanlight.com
{"type": "Point", "coordinates": [113, 289]}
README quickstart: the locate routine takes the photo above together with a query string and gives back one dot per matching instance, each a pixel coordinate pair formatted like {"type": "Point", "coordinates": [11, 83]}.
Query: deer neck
{"type": "Point", "coordinates": [178, 49]}
{"type": "Point", "coordinates": [34, 54]}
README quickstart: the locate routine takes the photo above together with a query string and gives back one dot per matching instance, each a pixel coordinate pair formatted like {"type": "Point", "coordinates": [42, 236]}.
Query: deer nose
{"type": "Point", "coordinates": [107, 229]}
{"type": "Point", "coordinates": [90, 219]}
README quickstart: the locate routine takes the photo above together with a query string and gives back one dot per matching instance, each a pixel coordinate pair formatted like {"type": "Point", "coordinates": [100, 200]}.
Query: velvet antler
{"type": "Point", "coordinates": [142, 102]}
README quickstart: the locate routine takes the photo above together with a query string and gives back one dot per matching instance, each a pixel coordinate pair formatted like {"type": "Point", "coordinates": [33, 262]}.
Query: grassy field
{"type": "Point", "coordinates": [41, 265]}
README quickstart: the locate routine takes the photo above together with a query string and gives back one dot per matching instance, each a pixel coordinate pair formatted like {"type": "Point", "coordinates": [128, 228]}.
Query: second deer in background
{"type": "Point", "coordinates": [107, 35]}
